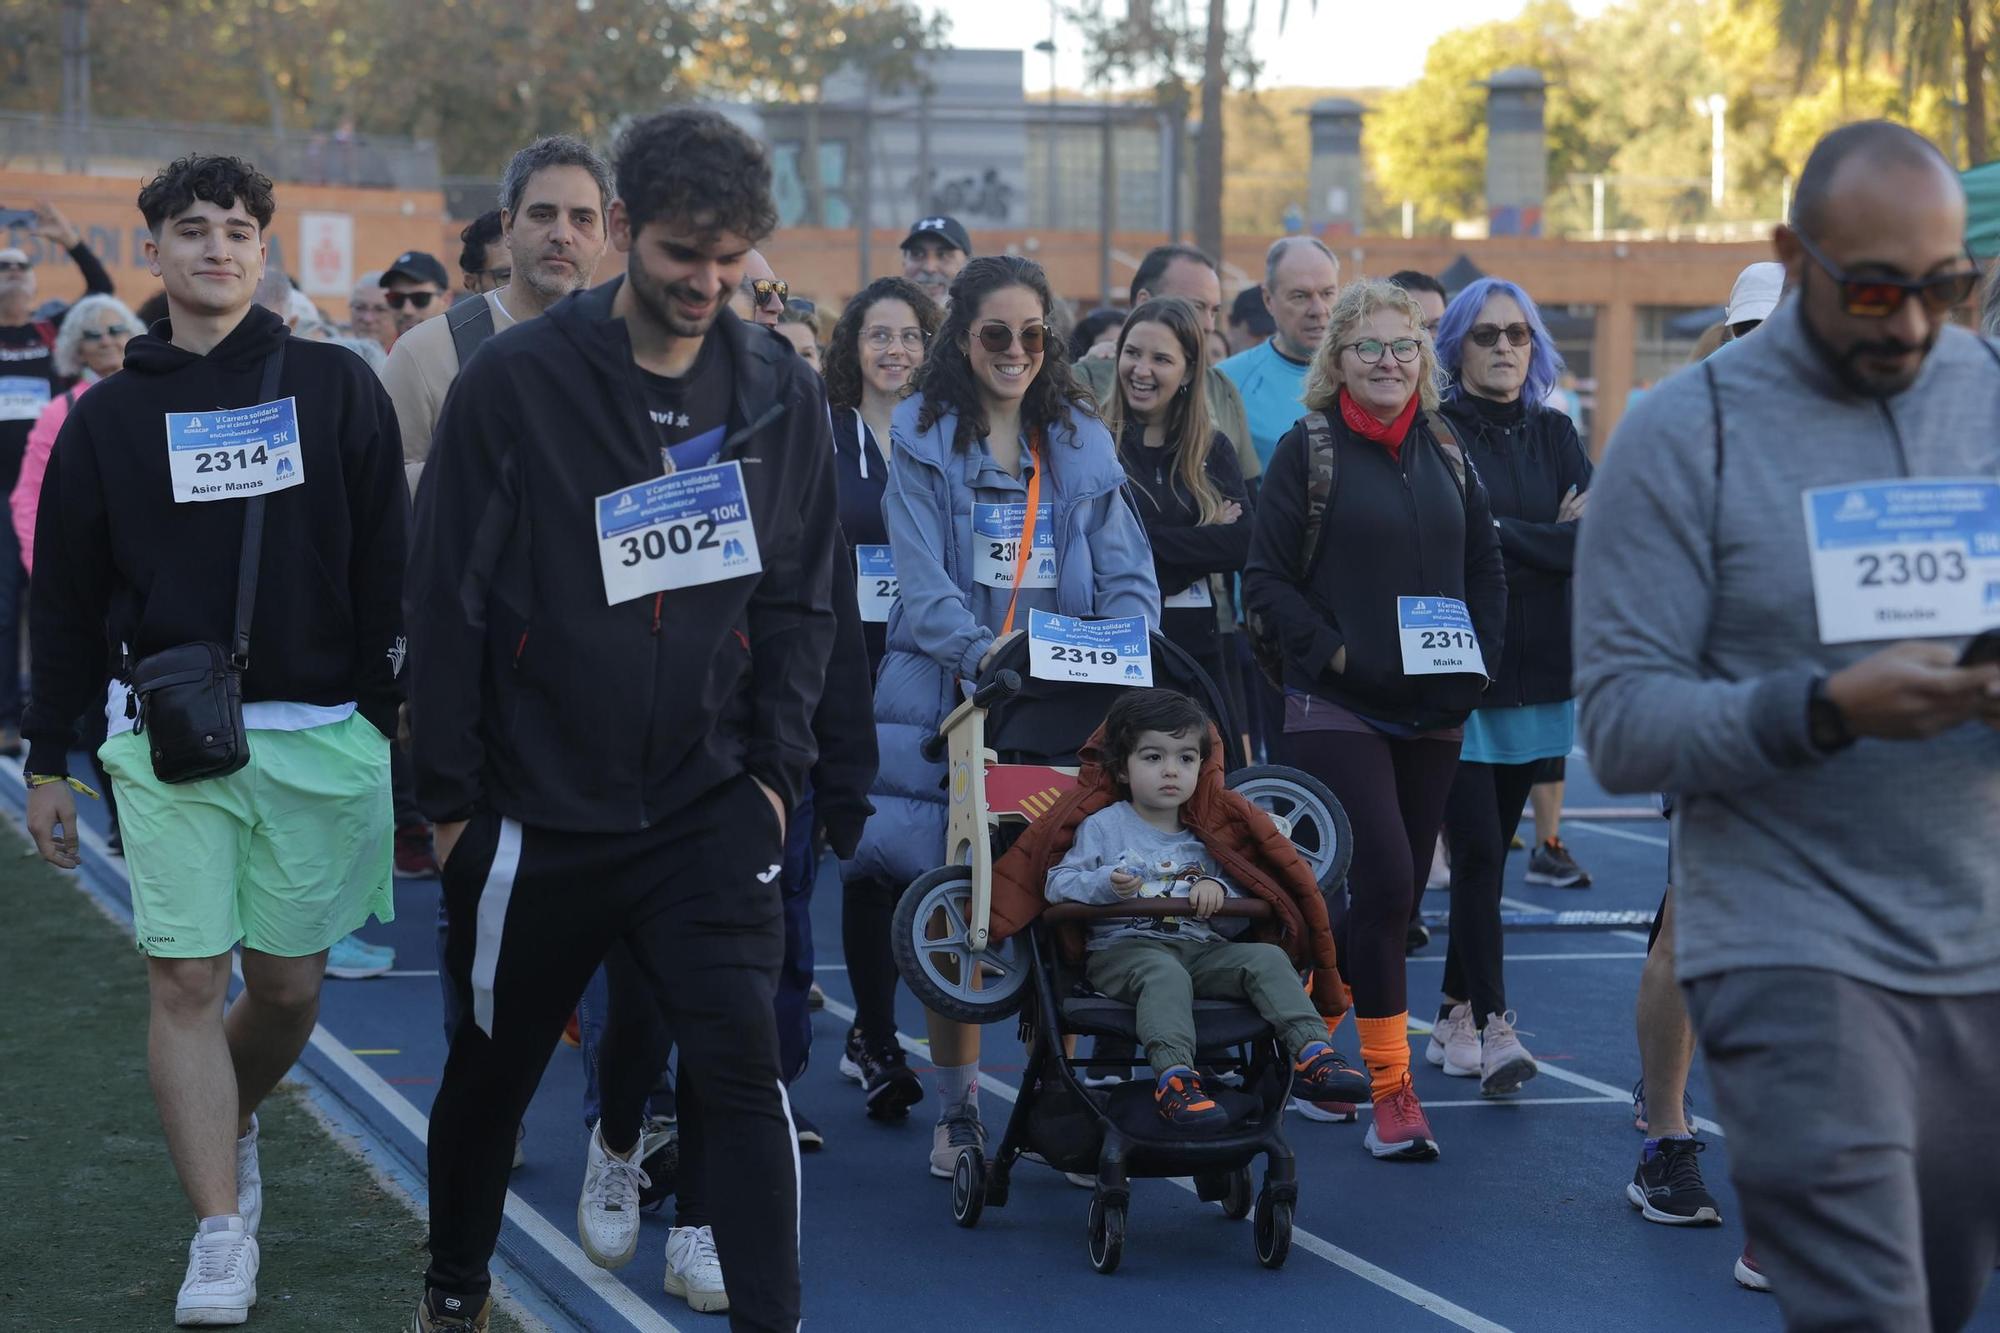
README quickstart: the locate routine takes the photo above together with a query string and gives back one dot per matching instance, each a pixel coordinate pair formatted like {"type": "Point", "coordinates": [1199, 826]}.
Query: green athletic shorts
{"type": "Point", "coordinates": [286, 855]}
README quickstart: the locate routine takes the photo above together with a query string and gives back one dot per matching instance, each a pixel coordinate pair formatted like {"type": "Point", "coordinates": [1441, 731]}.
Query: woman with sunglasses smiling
{"type": "Point", "coordinates": [1501, 365]}
{"type": "Point", "coordinates": [998, 436]}
{"type": "Point", "coordinates": [1373, 709]}
{"type": "Point", "coordinates": [1185, 479]}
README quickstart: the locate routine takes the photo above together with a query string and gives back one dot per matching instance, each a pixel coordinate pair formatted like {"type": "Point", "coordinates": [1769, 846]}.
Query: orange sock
{"type": "Point", "coordinates": [1385, 1048]}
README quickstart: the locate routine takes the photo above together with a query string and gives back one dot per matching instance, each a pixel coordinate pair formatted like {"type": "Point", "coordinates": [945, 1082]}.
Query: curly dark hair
{"type": "Point", "coordinates": [1136, 711]}
{"type": "Point", "coordinates": [843, 350]}
{"type": "Point", "coordinates": [217, 180]}
{"type": "Point", "coordinates": [695, 166]}
{"type": "Point", "coordinates": [477, 234]}
{"type": "Point", "coordinates": [945, 383]}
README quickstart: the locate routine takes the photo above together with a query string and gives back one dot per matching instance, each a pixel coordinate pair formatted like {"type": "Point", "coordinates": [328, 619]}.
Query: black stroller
{"type": "Point", "coordinates": [1012, 750]}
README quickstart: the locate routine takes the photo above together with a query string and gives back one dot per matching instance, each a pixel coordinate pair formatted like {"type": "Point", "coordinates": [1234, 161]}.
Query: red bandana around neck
{"type": "Point", "coordinates": [1388, 434]}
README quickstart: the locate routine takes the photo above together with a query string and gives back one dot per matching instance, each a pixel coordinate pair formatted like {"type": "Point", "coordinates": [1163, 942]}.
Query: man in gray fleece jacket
{"type": "Point", "coordinates": [1838, 793]}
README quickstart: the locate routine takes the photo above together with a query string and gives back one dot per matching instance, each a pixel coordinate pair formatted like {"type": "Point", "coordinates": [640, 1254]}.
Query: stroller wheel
{"type": "Point", "coordinates": [1306, 812]}
{"type": "Point", "coordinates": [1236, 1204]}
{"type": "Point", "coordinates": [968, 1187]}
{"type": "Point", "coordinates": [1107, 1234]}
{"type": "Point", "coordinates": [1274, 1231]}
{"type": "Point", "coordinates": [930, 939]}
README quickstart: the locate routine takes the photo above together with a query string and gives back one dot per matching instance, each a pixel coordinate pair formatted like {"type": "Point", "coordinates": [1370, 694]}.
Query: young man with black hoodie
{"type": "Point", "coordinates": [220, 415]}
{"type": "Point", "coordinates": [624, 549]}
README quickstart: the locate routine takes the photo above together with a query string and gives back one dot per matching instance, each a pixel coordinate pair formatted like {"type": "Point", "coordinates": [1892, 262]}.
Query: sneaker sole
{"type": "Point", "coordinates": [1415, 1150]}
{"type": "Point", "coordinates": [1749, 1279]}
{"type": "Point", "coordinates": [1703, 1217]}
{"type": "Point", "coordinates": [1314, 1111]}
{"type": "Point", "coordinates": [1508, 1077]}
{"type": "Point", "coordinates": [1434, 1053]}
{"type": "Point", "coordinates": [701, 1302]}
{"type": "Point", "coordinates": [1557, 881]}
{"type": "Point", "coordinates": [401, 873]}
{"type": "Point", "coordinates": [848, 1069]}
{"type": "Point", "coordinates": [213, 1316]}
{"type": "Point", "coordinates": [1458, 1070]}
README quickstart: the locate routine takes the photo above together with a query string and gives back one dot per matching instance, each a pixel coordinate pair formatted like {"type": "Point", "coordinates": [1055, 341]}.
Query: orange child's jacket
{"type": "Point", "coordinates": [1246, 846]}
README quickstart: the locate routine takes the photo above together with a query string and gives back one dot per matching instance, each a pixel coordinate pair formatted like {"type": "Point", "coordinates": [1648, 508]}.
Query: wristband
{"type": "Point", "coordinates": [35, 780]}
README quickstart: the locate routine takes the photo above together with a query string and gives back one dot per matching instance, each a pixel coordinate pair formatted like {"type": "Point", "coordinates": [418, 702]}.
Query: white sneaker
{"type": "Point", "coordinates": [1440, 876]}
{"type": "Point", "coordinates": [1454, 1043]}
{"type": "Point", "coordinates": [221, 1282]}
{"type": "Point", "coordinates": [1504, 1063]}
{"type": "Point", "coordinates": [249, 1180]}
{"type": "Point", "coordinates": [520, 1147]}
{"type": "Point", "coordinates": [607, 1213]}
{"type": "Point", "coordinates": [693, 1272]}
{"type": "Point", "coordinates": [961, 1129]}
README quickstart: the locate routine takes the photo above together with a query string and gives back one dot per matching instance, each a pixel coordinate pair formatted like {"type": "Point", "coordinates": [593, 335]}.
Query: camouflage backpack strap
{"type": "Point", "coordinates": [1322, 471]}
{"type": "Point", "coordinates": [1448, 445]}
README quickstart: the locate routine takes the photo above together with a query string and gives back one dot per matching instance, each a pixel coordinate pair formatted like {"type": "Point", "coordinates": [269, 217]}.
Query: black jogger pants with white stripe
{"type": "Point", "coordinates": [696, 903]}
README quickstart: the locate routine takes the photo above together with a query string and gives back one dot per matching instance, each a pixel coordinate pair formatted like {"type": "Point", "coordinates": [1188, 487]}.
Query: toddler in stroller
{"type": "Point", "coordinates": [1137, 848]}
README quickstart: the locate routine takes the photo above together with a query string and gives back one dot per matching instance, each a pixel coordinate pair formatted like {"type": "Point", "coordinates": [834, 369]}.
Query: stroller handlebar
{"type": "Point", "coordinates": [1251, 909]}
{"type": "Point", "coordinates": [1004, 686]}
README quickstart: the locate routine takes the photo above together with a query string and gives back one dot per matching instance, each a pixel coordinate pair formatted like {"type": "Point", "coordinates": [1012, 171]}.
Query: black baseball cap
{"type": "Point", "coordinates": [949, 230]}
{"type": "Point", "coordinates": [417, 267]}
{"type": "Point", "coordinates": [1248, 309]}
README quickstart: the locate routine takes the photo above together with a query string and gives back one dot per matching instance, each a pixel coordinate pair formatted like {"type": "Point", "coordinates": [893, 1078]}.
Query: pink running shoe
{"type": "Point", "coordinates": [1398, 1130]}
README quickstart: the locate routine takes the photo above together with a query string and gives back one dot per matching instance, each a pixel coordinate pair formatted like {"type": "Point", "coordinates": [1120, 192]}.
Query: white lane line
{"type": "Point", "coordinates": [1516, 905]}
{"type": "Point", "coordinates": [560, 1247]}
{"type": "Point", "coordinates": [1305, 1240]}
{"type": "Point", "coordinates": [1604, 1090]}
{"type": "Point", "coordinates": [1650, 839]}
{"type": "Point", "coordinates": [1532, 957]}
{"type": "Point", "coordinates": [1570, 812]}
{"type": "Point", "coordinates": [1638, 935]}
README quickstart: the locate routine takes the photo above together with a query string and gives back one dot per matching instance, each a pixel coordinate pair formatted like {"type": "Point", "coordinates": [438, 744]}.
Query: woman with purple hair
{"type": "Point", "coordinates": [1501, 365]}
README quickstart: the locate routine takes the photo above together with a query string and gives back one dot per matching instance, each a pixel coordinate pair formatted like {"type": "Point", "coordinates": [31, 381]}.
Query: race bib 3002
{"type": "Point", "coordinates": [1437, 637]}
{"type": "Point", "coordinates": [996, 541]}
{"type": "Point", "coordinates": [1107, 652]}
{"type": "Point", "coordinates": [234, 455]}
{"type": "Point", "coordinates": [1905, 559]}
{"type": "Point", "coordinates": [676, 531]}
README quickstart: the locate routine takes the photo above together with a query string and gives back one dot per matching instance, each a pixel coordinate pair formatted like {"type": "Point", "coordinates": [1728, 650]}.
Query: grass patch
{"type": "Point", "coordinates": [95, 1228]}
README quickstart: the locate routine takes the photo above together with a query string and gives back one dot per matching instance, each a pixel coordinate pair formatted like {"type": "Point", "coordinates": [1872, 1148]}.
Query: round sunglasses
{"type": "Point", "coordinates": [996, 338]}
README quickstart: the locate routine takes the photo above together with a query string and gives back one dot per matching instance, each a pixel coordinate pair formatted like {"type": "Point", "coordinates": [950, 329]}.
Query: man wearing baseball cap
{"type": "Point", "coordinates": [417, 288]}
{"type": "Point", "coordinates": [933, 253]}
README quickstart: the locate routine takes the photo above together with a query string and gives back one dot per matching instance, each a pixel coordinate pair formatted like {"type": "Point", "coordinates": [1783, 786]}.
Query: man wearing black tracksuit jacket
{"type": "Point", "coordinates": [610, 724]}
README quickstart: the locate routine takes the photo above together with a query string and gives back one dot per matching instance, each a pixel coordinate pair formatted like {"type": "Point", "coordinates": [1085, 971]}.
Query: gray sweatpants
{"type": "Point", "coordinates": [1861, 1139]}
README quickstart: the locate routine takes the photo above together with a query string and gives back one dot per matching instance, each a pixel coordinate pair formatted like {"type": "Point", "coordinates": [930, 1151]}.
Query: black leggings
{"type": "Point", "coordinates": [1394, 792]}
{"type": "Point", "coordinates": [1479, 823]}
{"type": "Point", "coordinates": [867, 907]}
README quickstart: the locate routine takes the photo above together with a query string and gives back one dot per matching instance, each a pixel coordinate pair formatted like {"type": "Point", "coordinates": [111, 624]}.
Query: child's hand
{"type": "Point", "coordinates": [1207, 896]}
{"type": "Point", "coordinates": [1125, 884]}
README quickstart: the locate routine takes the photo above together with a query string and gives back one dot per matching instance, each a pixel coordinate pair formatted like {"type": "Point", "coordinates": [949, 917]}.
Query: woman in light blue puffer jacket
{"type": "Point", "coordinates": [995, 401]}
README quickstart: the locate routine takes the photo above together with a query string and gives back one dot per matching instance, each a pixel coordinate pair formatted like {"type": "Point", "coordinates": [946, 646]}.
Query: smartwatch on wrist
{"type": "Point", "coordinates": [1825, 727]}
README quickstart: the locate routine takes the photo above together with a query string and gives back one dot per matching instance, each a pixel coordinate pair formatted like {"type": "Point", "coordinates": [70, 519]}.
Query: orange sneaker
{"type": "Point", "coordinates": [1184, 1104]}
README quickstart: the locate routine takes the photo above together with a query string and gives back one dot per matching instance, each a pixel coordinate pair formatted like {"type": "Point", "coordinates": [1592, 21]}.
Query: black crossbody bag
{"type": "Point", "coordinates": [190, 697]}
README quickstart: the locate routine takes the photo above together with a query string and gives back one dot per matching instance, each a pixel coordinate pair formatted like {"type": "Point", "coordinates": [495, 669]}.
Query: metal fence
{"type": "Point", "coordinates": [36, 142]}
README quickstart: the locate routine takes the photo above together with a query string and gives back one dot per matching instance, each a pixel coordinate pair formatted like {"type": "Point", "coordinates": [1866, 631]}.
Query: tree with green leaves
{"type": "Point", "coordinates": [1946, 48]}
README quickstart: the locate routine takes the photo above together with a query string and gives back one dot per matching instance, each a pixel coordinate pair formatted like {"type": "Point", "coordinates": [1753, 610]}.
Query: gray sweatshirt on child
{"type": "Point", "coordinates": [1697, 644]}
{"type": "Point", "coordinates": [1116, 838]}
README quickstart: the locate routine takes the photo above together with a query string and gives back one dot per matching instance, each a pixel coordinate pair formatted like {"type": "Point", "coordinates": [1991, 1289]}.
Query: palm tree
{"type": "Point", "coordinates": [1923, 29]}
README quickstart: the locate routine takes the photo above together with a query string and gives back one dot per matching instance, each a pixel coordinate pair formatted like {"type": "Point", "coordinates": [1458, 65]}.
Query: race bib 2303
{"type": "Point", "coordinates": [1905, 559]}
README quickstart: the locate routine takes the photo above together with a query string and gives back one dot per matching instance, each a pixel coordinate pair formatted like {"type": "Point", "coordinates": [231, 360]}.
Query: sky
{"type": "Point", "coordinates": [1344, 44]}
